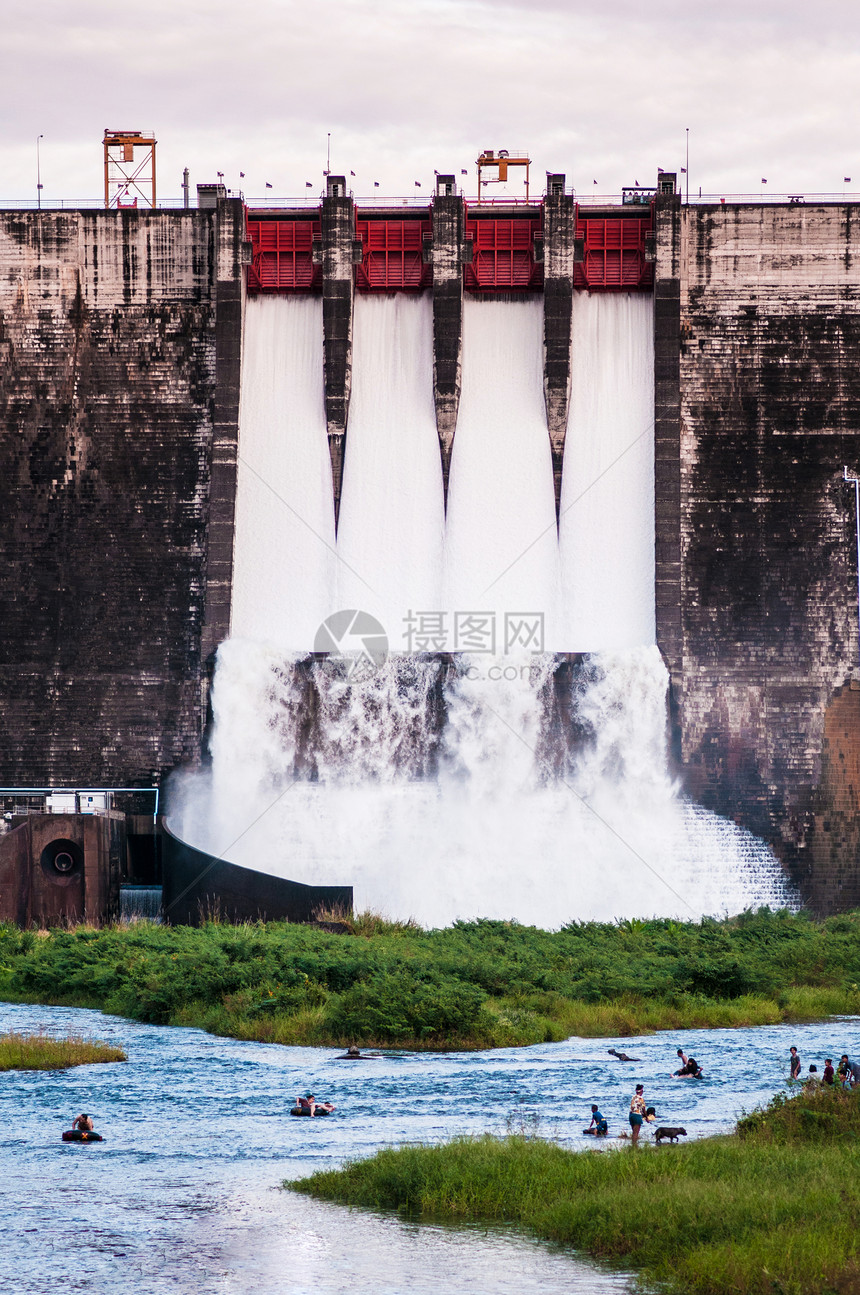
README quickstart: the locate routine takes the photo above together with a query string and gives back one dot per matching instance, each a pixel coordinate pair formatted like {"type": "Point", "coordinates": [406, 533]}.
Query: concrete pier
{"type": "Point", "coordinates": [339, 254]}
{"type": "Point", "coordinates": [559, 237]}
{"type": "Point", "coordinates": [232, 253]}
{"type": "Point", "coordinates": [449, 255]}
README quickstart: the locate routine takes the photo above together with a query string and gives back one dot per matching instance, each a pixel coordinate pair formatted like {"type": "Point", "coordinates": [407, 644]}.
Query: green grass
{"type": "Point", "coordinates": [772, 1208]}
{"type": "Point", "coordinates": [43, 1052]}
{"type": "Point", "coordinates": [473, 985]}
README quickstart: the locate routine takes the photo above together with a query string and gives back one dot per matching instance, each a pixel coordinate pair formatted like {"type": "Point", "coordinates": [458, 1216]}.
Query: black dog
{"type": "Point", "coordinates": [671, 1134]}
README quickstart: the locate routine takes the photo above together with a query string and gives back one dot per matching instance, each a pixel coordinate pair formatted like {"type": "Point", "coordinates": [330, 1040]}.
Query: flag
{"type": "Point", "coordinates": [636, 182]}
{"type": "Point", "coordinates": [659, 170]}
{"type": "Point", "coordinates": [241, 175]}
{"type": "Point", "coordinates": [846, 179]}
{"type": "Point", "coordinates": [683, 170]}
{"type": "Point", "coordinates": [594, 182]}
{"type": "Point", "coordinates": [376, 184]}
{"type": "Point", "coordinates": [308, 184]}
{"type": "Point", "coordinates": [763, 180]}
{"type": "Point", "coordinates": [417, 184]}
{"type": "Point", "coordinates": [352, 172]}
{"type": "Point", "coordinates": [268, 186]}
{"type": "Point", "coordinates": [463, 171]}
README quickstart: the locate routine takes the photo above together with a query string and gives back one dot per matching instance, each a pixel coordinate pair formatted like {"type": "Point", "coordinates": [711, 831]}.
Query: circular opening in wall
{"type": "Point", "coordinates": [62, 859]}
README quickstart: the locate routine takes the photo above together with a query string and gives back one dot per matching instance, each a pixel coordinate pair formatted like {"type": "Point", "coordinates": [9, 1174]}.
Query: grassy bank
{"type": "Point", "coordinates": [474, 985]}
{"type": "Point", "coordinates": [42, 1052]}
{"type": "Point", "coordinates": [772, 1208]}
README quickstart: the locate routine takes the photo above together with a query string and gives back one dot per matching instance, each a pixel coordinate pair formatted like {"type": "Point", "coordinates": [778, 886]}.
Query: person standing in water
{"type": "Point", "coordinates": [794, 1068]}
{"type": "Point", "coordinates": [637, 1112]}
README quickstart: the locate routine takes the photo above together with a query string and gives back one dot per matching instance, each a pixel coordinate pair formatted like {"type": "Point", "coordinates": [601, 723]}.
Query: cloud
{"type": "Point", "coordinates": [603, 90]}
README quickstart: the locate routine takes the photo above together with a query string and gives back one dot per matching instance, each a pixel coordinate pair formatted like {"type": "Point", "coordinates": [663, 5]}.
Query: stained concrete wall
{"type": "Point", "coordinates": [559, 239]}
{"type": "Point", "coordinates": [119, 342]}
{"type": "Point", "coordinates": [57, 868]}
{"type": "Point", "coordinates": [756, 568]}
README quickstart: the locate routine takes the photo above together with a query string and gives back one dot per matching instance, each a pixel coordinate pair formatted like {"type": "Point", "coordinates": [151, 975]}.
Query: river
{"type": "Point", "coordinates": [184, 1195]}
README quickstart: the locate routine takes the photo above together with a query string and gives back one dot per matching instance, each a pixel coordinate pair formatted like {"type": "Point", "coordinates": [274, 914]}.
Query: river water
{"type": "Point", "coordinates": [184, 1195]}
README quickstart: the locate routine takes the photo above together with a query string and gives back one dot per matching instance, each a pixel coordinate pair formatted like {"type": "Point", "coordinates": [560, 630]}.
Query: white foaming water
{"type": "Point", "coordinates": [283, 576]}
{"type": "Point", "coordinates": [391, 524]}
{"type": "Point", "coordinates": [502, 550]}
{"type": "Point", "coordinates": [606, 530]}
{"type": "Point", "coordinates": [512, 823]}
{"type": "Point", "coordinates": [530, 787]}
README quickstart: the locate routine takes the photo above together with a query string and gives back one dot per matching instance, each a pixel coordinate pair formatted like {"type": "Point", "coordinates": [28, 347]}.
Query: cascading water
{"type": "Point", "coordinates": [505, 778]}
{"type": "Point", "coordinates": [284, 555]}
{"type": "Point", "coordinates": [606, 526]}
{"type": "Point", "coordinates": [502, 552]}
{"type": "Point", "coordinates": [392, 517]}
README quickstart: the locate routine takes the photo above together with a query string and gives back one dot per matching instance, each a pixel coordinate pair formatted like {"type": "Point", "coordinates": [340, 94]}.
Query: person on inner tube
{"type": "Point", "coordinates": [311, 1105]}
{"type": "Point", "coordinates": [84, 1123]}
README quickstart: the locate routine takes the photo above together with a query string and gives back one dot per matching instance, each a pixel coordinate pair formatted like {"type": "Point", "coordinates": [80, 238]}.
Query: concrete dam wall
{"type": "Point", "coordinates": [119, 386]}
{"type": "Point", "coordinates": [757, 317]}
{"type": "Point", "coordinates": [120, 359]}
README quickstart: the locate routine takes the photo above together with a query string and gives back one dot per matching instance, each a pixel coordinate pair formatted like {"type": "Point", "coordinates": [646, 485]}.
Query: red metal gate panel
{"type": "Point", "coordinates": [614, 254]}
{"type": "Point", "coordinates": [503, 255]}
{"type": "Point", "coordinates": [393, 255]}
{"type": "Point", "coordinates": [282, 256]}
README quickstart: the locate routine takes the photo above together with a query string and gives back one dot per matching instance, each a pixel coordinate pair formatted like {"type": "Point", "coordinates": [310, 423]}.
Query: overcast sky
{"type": "Point", "coordinates": [600, 89]}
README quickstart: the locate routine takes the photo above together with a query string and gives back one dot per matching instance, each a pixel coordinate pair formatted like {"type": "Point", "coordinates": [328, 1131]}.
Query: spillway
{"type": "Point", "coordinates": [391, 532]}
{"type": "Point", "coordinates": [501, 547]}
{"type": "Point", "coordinates": [475, 772]}
{"type": "Point", "coordinates": [606, 524]}
{"type": "Point", "coordinates": [284, 575]}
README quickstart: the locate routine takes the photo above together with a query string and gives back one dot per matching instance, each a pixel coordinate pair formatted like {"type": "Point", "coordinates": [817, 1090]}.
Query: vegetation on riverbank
{"type": "Point", "coordinates": [44, 1052]}
{"type": "Point", "coordinates": [772, 1208]}
{"type": "Point", "coordinates": [473, 985]}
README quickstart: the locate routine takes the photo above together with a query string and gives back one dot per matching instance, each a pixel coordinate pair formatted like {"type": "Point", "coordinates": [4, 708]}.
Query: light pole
{"type": "Point", "coordinates": [38, 174]}
{"type": "Point", "coordinates": [687, 168]}
{"type": "Point", "coordinates": [855, 481]}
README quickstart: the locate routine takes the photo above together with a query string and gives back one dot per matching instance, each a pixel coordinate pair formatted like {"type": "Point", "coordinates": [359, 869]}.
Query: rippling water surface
{"type": "Point", "coordinates": [184, 1194]}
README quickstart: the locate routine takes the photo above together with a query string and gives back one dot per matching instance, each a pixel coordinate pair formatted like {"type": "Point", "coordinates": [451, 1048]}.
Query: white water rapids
{"type": "Point", "coordinates": [507, 778]}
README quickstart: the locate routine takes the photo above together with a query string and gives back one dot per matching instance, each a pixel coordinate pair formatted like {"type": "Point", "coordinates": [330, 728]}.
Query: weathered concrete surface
{"type": "Point", "coordinates": [559, 234]}
{"type": "Point", "coordinates": [449, 256]}
{"type": "Point", "coordinates": [82, 885]}
{"type": "Point", "coordinates": [108, 399]}
{"type": "Point", "coordinates": [231, 255]}
{"type": "Point", "coordinates": [759, 621]}
{"type": "Point", "coordinates": [338, 254]}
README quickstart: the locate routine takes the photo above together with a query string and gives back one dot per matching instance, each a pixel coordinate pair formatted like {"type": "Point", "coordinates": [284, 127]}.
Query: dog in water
{"type": "Point", "coordinates": [671, 1134]}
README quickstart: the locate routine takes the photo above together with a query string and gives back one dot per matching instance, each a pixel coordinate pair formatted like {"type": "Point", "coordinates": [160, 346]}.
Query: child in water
{"type": "Point", "coordinates": [598, 1125]}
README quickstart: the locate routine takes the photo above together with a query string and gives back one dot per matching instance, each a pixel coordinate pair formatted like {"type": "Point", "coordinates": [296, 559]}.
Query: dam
{"type": "Point", "coordinates": [581, 467]}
